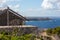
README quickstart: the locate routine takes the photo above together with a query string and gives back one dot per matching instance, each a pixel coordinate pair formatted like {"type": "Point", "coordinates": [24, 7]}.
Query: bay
{"type": "Point", "coordinates": [45, 23]}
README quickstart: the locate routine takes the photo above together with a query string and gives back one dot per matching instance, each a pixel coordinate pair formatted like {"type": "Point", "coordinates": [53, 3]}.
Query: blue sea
{"type": "Point", "coordinates": [54, 22]}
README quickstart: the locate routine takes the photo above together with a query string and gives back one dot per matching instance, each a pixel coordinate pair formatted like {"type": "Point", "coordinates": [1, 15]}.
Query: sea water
{"type": "Point", "coordinates": [45, 23]}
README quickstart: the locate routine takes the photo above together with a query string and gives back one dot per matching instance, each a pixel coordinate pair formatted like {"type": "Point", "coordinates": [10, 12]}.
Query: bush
{"type": "Point", "coordinates": [54, 31]}
{"type": "Point", "coordinates": [23, 37]}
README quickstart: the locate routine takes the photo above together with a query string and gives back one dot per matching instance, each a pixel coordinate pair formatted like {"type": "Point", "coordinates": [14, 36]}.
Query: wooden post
{"type": "Point", "coordinates": [7, 17]}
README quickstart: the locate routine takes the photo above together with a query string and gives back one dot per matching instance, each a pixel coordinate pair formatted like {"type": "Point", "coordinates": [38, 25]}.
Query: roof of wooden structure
{"type": "Point", "coordinates": [10, 10]}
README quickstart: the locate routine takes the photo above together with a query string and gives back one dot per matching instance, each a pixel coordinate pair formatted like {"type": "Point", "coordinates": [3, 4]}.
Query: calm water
{"type": "Point", "coordinates": [45, 24]}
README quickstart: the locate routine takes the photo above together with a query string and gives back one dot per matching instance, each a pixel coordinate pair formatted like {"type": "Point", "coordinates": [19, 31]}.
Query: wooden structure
{"type": "Point", "coordinates": [9, 17]}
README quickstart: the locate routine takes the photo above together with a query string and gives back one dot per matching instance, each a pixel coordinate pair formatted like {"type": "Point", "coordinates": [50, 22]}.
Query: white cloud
{"type": "Point", "coordinates": [2, 2]}
{"type": "Point", "coordinates": [46, 4]}
{"type": "Point", "coordinates": [33, 9]}
{"type": "Point", "coordinates": [14, 0]}
{"type": "Point", "coordinates": [58, 5]}
{"type": "Point", "coordinates": [49, 4]}
{"type": "Point", "coordinates": [5, 2]}
{"type": "Point", "coordinates": [42, 13]}
{"type": "Point", "coordinates": [15, 7]}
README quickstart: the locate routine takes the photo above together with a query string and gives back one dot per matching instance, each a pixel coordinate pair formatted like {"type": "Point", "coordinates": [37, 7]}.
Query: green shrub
{"type": "Point", "coordinates": [53, 31]}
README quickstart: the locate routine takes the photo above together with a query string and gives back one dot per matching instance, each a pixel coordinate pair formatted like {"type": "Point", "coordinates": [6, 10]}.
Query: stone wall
{"type": "Point", "coordinates": [19, 30]}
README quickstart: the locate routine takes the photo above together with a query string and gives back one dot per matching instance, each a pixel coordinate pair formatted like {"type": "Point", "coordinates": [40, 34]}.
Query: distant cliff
{"type": "Point", "coordinates": [37, 18]}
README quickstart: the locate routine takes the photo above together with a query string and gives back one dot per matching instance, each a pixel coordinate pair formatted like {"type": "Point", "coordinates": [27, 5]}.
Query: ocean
{"type": "Point", "coordinates": [54, 22]}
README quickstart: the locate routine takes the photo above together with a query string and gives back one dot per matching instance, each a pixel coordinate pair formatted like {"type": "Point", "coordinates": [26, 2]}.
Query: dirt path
{"type": "Point", "coordinates": [45, 34]}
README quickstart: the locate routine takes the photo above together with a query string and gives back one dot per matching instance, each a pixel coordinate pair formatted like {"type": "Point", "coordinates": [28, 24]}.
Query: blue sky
{"type": "Point", "coordinates": [35, 8]}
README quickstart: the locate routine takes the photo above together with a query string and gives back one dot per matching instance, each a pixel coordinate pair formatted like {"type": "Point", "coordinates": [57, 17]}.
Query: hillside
{"type": "Point", "coordinates": [37, 18]}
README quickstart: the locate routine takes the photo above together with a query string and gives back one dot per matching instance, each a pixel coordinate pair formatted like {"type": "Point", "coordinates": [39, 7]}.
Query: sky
{"type": "Point", "coordinates": [34, 8]}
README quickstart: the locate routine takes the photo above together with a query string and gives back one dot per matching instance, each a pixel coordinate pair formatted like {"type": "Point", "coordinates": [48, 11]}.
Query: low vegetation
{"type": "Point", "coordinates": [23, 37]}
{"type": "Point", "coordinates": [52, 31]}
{"type": "Point", "coordinates": [4, 35]}
{"type": "Point", "coordinates": [13, 35]}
